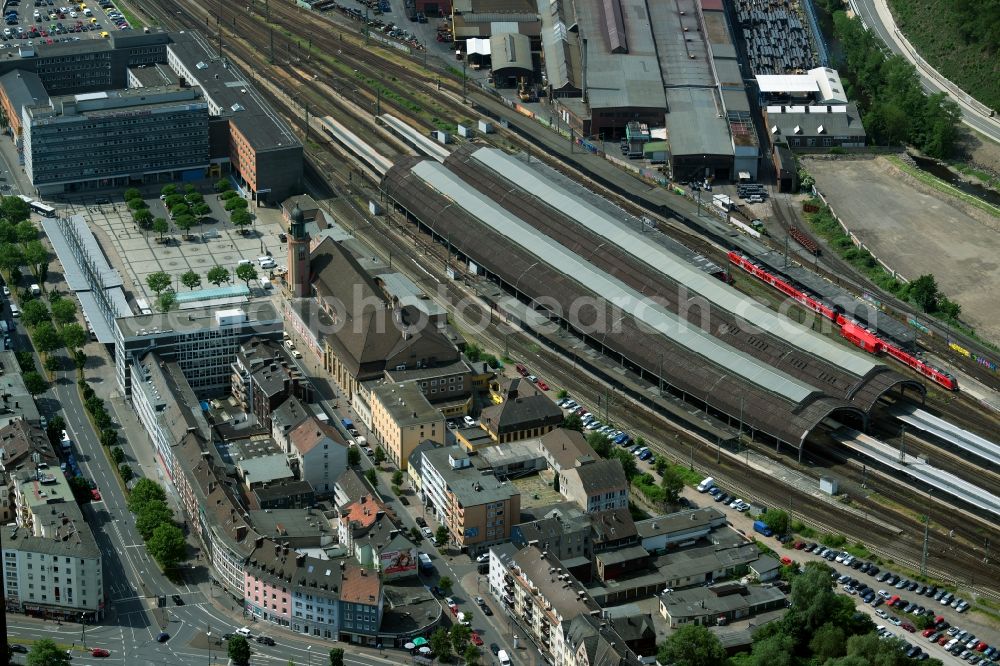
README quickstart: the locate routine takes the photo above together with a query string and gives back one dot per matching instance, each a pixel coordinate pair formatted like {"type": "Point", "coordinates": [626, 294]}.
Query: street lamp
{"type": "Point", "coordinates": [310, 654]}
{"type": "Point", "coordinates": [208, 634]}
{"type": "Point", "coordinates": [83, 630]}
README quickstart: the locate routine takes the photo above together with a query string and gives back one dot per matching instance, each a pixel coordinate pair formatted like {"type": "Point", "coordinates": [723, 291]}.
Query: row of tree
{"type": "Point", "coordinates": [154, 521]}
{"type": "Point", "coordinates": [159, 282]}
{"type": "Point", "coordinates": [894, 107]}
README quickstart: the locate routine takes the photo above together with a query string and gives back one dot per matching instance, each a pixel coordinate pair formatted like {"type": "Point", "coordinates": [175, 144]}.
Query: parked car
{"type": "Point", "coordinates": [177, 599]}
{"type": "Point", "coordinates": [265, 640]}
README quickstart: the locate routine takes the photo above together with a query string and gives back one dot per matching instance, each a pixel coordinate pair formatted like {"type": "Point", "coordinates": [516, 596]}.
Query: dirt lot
{"type": "Point", "coordinates": [917, 231]}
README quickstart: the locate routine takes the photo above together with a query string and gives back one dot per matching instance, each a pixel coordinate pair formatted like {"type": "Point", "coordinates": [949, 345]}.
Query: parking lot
{"type": "Point", "coordinates": [137, 253]}
{"type": "Point", "coordinates": [48, 22]}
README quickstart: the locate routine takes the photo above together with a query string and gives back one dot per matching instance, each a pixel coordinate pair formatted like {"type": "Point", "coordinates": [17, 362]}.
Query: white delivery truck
{"type": "Point", "coordinates": [706, 485]}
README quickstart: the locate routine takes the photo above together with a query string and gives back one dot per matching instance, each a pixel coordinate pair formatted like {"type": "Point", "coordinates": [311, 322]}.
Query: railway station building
{"type": "Point", "coordinates": [776, 377]}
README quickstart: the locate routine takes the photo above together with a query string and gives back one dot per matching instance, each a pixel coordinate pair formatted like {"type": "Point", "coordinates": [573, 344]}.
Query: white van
{"type": "Point", "coordinates": [504, 659]}
{"type": "Point", "coordinates": [244, 262]}
{"type": "Point", "coordinates": [706, 485]}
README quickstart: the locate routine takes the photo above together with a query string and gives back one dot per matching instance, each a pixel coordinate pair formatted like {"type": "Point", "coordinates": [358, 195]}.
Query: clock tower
{"type": "Point", "coordinates": [298, 255]}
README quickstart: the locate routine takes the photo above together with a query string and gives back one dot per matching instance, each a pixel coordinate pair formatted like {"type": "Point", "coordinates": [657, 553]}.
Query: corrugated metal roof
{"type": "Point", "coordinates": [609, 288]}
{"type": "Point", "coordinates": [693, 123]}
{"type": "Point", "coordinates": [669, 264]}
{"type": "Point", "coordinates": [510, 50]}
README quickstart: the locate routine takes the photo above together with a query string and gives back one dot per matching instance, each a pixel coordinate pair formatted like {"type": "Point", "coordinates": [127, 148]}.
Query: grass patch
{"type": "Point", "coordinates": [962, 45]}
{"type": "Point", "coordinates": [135, 23]}
{"type": "Point", "coordinates": [941, 186]}
{"type": "Point", "coordinates": [803, 530]}
{"type": "Point", "coordinates": [989, 180]}
{"type": "Point", "coordinates": [859, 551]}
{"type": "Point", "coordinates": [833, 540]}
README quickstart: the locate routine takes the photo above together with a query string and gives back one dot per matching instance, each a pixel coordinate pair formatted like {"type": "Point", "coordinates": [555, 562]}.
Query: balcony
{"type": "Point", "coordinates": [509, 600]}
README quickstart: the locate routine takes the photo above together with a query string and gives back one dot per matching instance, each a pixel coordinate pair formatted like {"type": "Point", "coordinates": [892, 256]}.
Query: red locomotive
{"type": "Point", "coordinates": [851, 330]}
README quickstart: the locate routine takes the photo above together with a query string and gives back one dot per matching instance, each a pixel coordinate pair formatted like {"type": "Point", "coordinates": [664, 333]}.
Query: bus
{"type": "Point", "coordinates": [38, 206]}
{"type": "Point", "coordinates": [42, 209]}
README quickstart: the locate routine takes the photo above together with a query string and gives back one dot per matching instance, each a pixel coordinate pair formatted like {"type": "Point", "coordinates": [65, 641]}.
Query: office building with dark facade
{"type": "Point", "coordinates": [245, 136]}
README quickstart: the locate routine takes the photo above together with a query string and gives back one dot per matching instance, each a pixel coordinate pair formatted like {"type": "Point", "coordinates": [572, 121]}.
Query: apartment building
{"type": "Point", "coordinates": [51, 562]}
{"type": "Point", "coordinates": [402, 418]}
{"type": "Point", "coordinates": [264, 377]}
{"type": "Point", "coordinates": [477, 509]}
{"type": "Point", "coordinates": [319, 454]}
{"type": "Point", "coordinates": [597, 485]}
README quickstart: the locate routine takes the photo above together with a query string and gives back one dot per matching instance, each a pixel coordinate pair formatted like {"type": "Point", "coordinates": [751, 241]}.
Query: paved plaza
{"type": "Point", "coordinates": [136, 253]}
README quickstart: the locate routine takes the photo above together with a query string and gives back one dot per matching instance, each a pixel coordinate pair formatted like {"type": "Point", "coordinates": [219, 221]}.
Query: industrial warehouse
{"type": "Point", "coordinates": [549, 249]}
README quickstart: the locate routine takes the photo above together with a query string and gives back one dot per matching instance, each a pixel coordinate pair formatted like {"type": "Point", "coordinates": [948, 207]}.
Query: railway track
{"type": "Point", "coordinates": [903, 533]}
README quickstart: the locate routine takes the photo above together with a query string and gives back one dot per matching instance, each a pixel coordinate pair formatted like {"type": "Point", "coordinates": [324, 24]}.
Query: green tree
{"type": "Point", "coordinates": [777, 520]}
{"type": "Point", "coordinates": [37, 258]}
{"type": "Point", "coordinates": [445, 584]}
{"type": "Point", "coordinates": [132, 193]}
{"type": "Point", "coordinates": [34, 313]}
{"type": "Point", "coordinates": [815, 603]}
{"type": "Point", "coordinates": [173, 200]}
{"type": "Point", "coordinates": [45, 652]}
{"type": "Point", "coordinates": [125, 472]}
{"type": "Point", "coordinates": [118, 455]}
{"type": "Point", "coordinates": [166, 301]}
{"type": "Point", "coordinates": [161, 226]}
{"type": "Point", "coordinates": [924, 292]}
{"type": "Point", "coordinates": [572, 422]}
{"type": "Point", "coordinates": [372, 477]}
{"type": "Point", "coordinates": [158, 281]}
{"type": "Point", "coordinates": [776, 650]}
{"type": "Point", "coordinates": [73, 336]}
{"type": "Point", "coordinates": [440, 644]}
{"type": "Point", "coordinates": [562, 393]}
{"type": "Point", "coordinates": [167, 545]}
{"type": "Point", "coordinates": [217, 275]}
{"type": "Point", "coordinates": [11, 258]}
{"type": "Point", "coordinates": [239, 650]}
{"type": "Point", "coordinates": [35, 383]}
{"type": "Point", "coordinates": [627, 461]}
{"type": "Point", "coordinates": [46, 338]}
{"type": "Point", "coordinates": [236, 203]}
{"type": "Point", "coordinates": [194, 198]}
{"type": "Point", "coordinates": [692, 645]}
{"type": "Point", "coordinates": [672, 483]}
{"type": "Point", "coordinates": [353, 456]}
{"type": "Point", "coordinates": [53, 363]}
{"type": "Point", "coordinates": [180, 208]}
{"type": "Point", "coordinates": [471, 655]}
{"type": "Point", "coordinates": [145, 491]}
{"type": "Point", "coordinates": [184, 223]}
{"type": "Point", "coordinates": [79, 359]}
{"type": "Point", "coordinates": [337, 657]}
{"type": "Point", "coordinates": [441, 535]}
{"type": "Point", "coordinates": [143, 218]}
{"type": "Point", "coordinates": [191, 280]}
{"type": "Point", "coordinates": [25, 232]}
{"type": "Point", "coordinates": [222, 185]}
{"type": "Point", "coordinates": [379, 455]}
{"type": "Point", "coordinates": [14, 209]}
{"type": "Point", "coordinates": [190, 189]}
{"type": "Point", "coordinates": [201, 209]}
{"type": "Point", "coordinates": [63, 311]}
{"type": "Point", "coordinates": [829, 642]}
{"type": "Point", "coordinates": [246, 272]}
{"type": "Point", "coordinates": [109, 437]}
{"type": "Point", "coordinates": [600, 443]}
{"type": "Point", "coordinates": [415, 534]}
{"type": "Point", "coordinates": [150, 516]}
{"type": "Point", "coordinates": [397, 478]}
{"type": "Point", "coordinates": [459, 637]}
{"type": "Point", "coordinates": [80, 488]}
{"type": "Point", "coordinates": [136, 204]}
{"type": "Point", "coordinates": [168, 190]}
{"type": "Point", "coordinates": [555, 482]}
{"type": "Point", "coordinates": [240, 219]}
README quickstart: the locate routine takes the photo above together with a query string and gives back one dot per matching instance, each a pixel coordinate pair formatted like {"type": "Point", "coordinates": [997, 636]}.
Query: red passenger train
{"type": "Point", "coordinates": [851, 330]}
